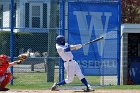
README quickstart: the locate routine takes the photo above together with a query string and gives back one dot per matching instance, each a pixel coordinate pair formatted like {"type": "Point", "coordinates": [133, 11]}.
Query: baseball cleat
{"type": "Point", "coordinates": [54, 87]}
{"type": "Point", "coordinates": [88, 89]}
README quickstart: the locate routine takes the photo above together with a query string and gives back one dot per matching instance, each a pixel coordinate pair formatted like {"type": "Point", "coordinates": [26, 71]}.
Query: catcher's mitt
{"type": "Point", "coordinates": [23, 57]}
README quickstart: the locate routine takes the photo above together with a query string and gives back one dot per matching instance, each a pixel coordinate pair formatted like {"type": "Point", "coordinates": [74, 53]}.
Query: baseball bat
{"type": "Point", "coordinates": [97, 39]}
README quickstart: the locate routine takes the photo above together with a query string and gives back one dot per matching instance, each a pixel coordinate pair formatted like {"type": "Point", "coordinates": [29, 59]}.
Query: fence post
{"type": "Point", "coordinates": [12, 36]}
{"type": "Point", "coordinates": [51, 40]}
{"type": "Point", "coordinates": [50, 69]}
{"type": "Point", "coordinates": [62, 31]}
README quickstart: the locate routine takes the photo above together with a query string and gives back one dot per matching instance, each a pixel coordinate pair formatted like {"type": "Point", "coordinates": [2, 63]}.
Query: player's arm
{"type": "Point", "coordinates": [72, 47]}
{"type": "Point", "coordinates": [76, 47]}
{"type": "Point", "coordinates": [14, 62]}
{"type": "Point", "coordinates": [21, 58]}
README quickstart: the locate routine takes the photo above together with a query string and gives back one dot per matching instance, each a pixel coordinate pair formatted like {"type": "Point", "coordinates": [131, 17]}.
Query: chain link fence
{"type": "Point", "coordinates": [36, 24]}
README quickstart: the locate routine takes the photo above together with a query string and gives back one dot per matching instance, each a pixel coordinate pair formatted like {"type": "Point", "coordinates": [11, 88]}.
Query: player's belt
{"type": "Point", "coordinates": [68, 61]}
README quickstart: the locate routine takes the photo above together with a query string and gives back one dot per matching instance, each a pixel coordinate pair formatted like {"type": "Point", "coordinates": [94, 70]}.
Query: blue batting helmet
{"type": "Point", "coordinates": [60, 40]}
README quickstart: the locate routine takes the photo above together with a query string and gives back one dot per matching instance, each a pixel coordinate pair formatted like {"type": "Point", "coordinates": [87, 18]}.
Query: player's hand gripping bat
{"type": "Point", "coordinates": [97, 39]}
{"type": "Point", "coordinates": [22, 57]}
{"type": "Point", "coordinates": [78, 46]}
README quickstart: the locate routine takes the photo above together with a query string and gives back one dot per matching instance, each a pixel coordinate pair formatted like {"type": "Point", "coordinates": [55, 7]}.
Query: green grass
{"type": "Point", "coordinates": [39, 81]}
{"type": "Point", "coordinates": [30, 81]}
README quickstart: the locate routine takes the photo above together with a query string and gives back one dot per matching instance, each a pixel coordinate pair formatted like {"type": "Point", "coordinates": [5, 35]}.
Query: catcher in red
{"type": "Point", "coordinates": [6, 77]}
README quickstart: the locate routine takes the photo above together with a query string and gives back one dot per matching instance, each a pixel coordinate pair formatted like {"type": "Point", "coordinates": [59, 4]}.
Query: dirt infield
{"type": "Point", "coordinates": [71, 91]}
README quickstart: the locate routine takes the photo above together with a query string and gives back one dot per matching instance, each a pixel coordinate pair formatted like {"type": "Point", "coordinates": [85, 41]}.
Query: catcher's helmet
{"type": "Point", "coordinates": [3, 57]}
{"type": "Point", "coordinates": [60, 40]}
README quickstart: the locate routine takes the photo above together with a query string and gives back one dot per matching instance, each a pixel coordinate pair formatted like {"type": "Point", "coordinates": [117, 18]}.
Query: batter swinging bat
{"type": "Point", "coordinates": [97, 39]}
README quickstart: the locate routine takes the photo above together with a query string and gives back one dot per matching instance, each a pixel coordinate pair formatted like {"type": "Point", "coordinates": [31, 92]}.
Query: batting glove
{"type": "Point", "coordinates": [78, 46]}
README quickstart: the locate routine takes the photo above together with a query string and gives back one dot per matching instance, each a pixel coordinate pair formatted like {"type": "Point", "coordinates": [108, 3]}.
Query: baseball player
{"type": "Point", "coordinates": [71, 66]}
{"type": "Point", "coordinates": [5, 77]}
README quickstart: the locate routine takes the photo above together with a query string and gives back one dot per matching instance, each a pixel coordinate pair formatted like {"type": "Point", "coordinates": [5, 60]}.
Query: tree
{"type": "Point", "coordinates": [131, 11]}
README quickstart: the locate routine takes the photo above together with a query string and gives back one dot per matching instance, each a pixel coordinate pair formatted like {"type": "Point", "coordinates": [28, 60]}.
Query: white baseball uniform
{"type": "Point", "coordinates": [71, 66]}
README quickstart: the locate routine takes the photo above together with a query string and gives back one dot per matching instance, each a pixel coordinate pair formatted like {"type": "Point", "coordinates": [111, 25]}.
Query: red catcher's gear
{"type": "Point", "coordinates": [3, 68]}
{"type": "Point", "coordinates": [8, 78]}
{"type": "Point", "coordinates": [4, 65]}
{"type": "Point", "coordinates": [3, 57]}
{"type": "Point", "coordinates": [3, 74]}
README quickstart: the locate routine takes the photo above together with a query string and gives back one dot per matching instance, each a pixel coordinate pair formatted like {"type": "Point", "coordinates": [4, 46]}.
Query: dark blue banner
{"type": "Point", "coordinates": [88, 21]}
{"type": "Point", "coordinates": [134, 72]}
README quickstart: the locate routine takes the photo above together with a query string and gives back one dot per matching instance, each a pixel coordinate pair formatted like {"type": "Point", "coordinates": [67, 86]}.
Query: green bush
{"type": "Point", "coordinates": [23, 40]}
{"type": "Point", "coordinates": [5, 42]}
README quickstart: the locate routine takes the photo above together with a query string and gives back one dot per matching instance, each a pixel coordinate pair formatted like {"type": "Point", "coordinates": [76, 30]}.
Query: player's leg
{"type": "Point", "coordinates": [70, 70]}
{"type": "Point", "coordinates": [70, 75]}
{"type": "Point", "coordinates": [88, 86]}
{"type": "Point", "coordinates": [55, 85]}
{"type": "Point", "coordinates": [7, 78]}
{"type": "Point", "coordinates": [82, 78]}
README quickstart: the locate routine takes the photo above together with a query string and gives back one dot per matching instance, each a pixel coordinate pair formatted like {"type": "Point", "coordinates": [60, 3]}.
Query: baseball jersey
{"type": "Point", "coordinates": [64, 52]}
{"type": "Point", "coordinates": [3, 68]}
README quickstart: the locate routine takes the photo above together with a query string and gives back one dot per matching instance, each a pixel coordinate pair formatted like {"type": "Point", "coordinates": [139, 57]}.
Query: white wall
{"type": "Point", "coordinates": [6, 15]}
{"type": "Point", "coordinates": [130, 28]}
